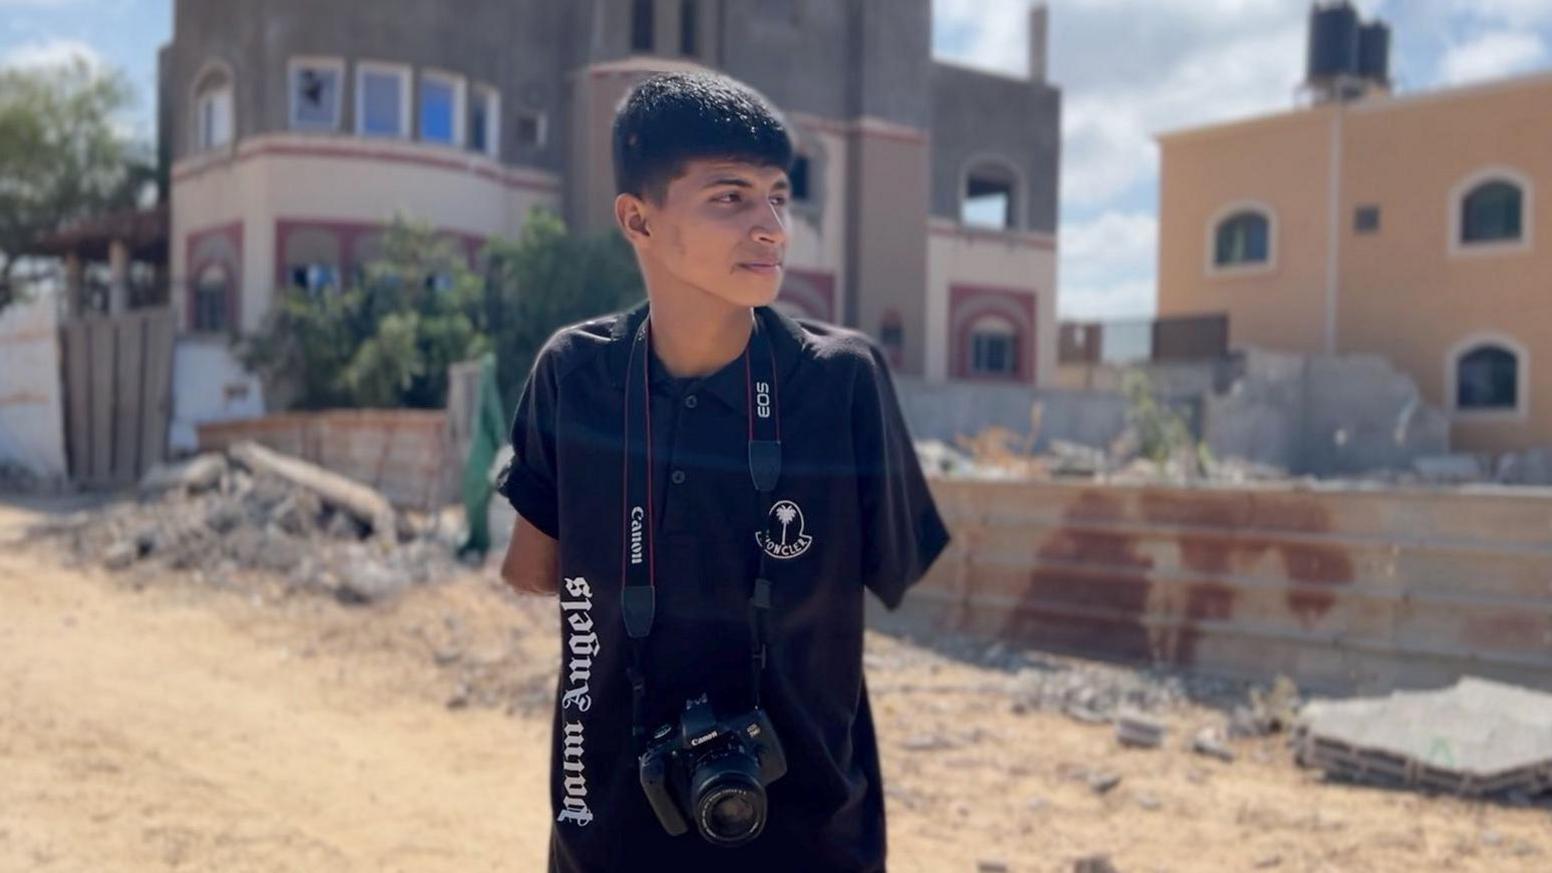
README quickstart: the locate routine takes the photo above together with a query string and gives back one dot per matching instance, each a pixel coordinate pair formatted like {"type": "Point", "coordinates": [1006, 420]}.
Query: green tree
{"type": "Point", "coordinates": [545, 279]}
{"type": "Point", "coordinates": [61, 156]}
{"type": "Point", "coordinates": [384, 341]}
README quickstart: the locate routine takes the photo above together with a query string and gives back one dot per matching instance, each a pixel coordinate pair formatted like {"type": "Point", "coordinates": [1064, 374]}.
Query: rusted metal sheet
{"type": "Point", "coordinates": [1342, 589]}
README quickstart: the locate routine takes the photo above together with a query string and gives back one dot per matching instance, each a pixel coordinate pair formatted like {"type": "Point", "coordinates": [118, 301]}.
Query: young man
{"type": "Point", "coordinates": [694, 476]}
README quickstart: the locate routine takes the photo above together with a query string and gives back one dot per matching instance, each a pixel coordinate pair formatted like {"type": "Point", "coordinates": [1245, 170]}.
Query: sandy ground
{"type": "Point", "coordinates": [164, 724]}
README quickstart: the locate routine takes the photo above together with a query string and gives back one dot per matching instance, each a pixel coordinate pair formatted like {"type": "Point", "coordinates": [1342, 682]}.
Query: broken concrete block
{"type": "Point", "coordinates": [1137, 730]}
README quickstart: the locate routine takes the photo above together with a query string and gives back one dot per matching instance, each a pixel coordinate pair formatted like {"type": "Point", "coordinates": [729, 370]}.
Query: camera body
{"type": "Point", "coordinates": [712, 772]}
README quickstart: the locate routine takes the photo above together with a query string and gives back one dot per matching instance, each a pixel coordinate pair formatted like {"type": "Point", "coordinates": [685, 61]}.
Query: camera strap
{"type": "Point", "coordinates": [638, 566]}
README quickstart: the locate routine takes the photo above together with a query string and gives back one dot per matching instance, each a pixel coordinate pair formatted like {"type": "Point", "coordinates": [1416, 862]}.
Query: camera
{"type": "Point", "coordinates": [712, 772]}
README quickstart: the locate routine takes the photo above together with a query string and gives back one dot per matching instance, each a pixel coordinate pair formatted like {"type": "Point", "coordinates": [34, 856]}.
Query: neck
{"type": "Point", "coordinates": [698, 337]}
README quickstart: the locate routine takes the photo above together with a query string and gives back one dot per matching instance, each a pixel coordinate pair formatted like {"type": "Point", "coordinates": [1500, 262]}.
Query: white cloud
{"type": "Point", "coordinates": [1107, 265]}
{"type": "Point", "coordinates": [1492, 55]}
{"type": "Point", "coordinates": [50, 53]}
{"type": "Point", "coordinates": [1514, 13]}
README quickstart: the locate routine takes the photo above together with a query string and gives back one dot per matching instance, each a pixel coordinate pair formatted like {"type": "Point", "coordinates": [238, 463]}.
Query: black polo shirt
{"type": "Point", "coordinates": [865, 519]}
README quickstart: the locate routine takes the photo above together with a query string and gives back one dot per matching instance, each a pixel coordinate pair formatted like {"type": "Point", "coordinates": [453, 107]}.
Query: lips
{"type": "Point", "coordinates": [761, 266]}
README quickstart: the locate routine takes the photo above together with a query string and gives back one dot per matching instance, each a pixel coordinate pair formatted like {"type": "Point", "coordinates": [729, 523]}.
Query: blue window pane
{"type": "Point", "coordinates": [380, 104]}
{"type": "Point", "coordinates": [436, 111]}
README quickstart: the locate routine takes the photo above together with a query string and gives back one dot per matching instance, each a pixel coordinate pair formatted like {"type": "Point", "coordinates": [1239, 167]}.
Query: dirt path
{"type": "Point", "coordinates": [181, 726]}
{"type": "Point", "coordinates": [152, 731]}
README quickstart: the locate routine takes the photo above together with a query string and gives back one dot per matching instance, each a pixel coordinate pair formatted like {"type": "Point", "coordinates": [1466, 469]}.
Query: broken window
{"type": "Point", "coordinates": [483, 120]}
{"type": "Point", "coordinates": [989, 198]}
{"type": "Point", "coordinates": [530, 129]}
{"type": "Point", "coordinates": [315, 95]}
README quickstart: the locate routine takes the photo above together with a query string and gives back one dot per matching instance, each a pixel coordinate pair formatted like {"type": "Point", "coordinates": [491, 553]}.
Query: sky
{"type": "Point", "coordinates": [1128, 69]}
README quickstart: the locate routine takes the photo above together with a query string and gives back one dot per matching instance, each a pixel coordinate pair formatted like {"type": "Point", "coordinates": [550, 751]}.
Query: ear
{"type": "Point", "coordinates": [630, 215]}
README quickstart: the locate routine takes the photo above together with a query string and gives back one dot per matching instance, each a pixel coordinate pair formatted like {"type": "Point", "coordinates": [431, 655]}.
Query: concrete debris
{"type": "Point", "coordinates": [1476, 738]}
{"type": "Point", "coordinates": [200, 473]}
{"type": "Point", "coordinates": [1208, 741]}
{"type": "Point", "coordinates": [339, 492]}
{"type": "Point", "coordinates": [1094, 864]}
{"type": "Point", "coordinates": [223, 522]}
{"type": "Point", "coordinates": [1449, 468]}
{"type": "Point", "coordinates": [1103, 781]}
{"type": "Point", "coordinates": [1132, 729]}
{"type": "Point", "coordinates": [1274, 710]}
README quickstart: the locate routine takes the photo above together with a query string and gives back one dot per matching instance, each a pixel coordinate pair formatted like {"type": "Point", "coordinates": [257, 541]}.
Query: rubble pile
{"type": "Point", "coordinates": [221, 520]}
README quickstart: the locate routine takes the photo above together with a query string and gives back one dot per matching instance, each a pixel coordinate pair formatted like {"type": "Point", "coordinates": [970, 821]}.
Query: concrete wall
{"type": "Point", "coordinates": [1309, 415]}
{"type": "Point", "coordinates": [986, 117]}
{"type": "Point", "coordinates": [1343, 590]}
{"type": "Point", "coordinates": [32, 412]}
{"type": "Point", "coordinates": [404, 453]}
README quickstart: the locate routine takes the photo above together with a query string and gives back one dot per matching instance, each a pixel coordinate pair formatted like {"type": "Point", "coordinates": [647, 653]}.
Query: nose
{"type": "Point", "coordinates": [770, 227]}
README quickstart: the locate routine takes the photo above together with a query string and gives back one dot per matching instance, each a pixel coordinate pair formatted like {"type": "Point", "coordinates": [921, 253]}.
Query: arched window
{"type": "Point", "coordinates": [990, 196]}
{"type": "Point", "coordinates": [993, 346]}
{"type": "Point", "coordinates": [641, 25]}
{"type": "Point", "coordinates": [211, 291]}
{"type": "Point", "coordinates": [1487, 377]}
{"type": "Point", "coordinates": [1492, 212]}
{"type": "Point", "coordinates": [1243, 238]}
{"type": "Point", "coordinates": [213, 118]}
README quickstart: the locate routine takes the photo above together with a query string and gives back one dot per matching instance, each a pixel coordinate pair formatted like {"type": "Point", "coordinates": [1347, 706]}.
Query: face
{"type": "Point", "coordinates": [722, 229]}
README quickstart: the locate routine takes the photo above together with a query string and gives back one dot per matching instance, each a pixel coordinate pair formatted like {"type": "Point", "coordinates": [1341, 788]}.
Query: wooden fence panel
{"type": "Point", "coordinates": [118, 389]}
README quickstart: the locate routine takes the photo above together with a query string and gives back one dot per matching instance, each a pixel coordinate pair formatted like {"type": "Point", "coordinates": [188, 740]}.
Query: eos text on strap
{"type": "Point", "coordinates": [709, 770]}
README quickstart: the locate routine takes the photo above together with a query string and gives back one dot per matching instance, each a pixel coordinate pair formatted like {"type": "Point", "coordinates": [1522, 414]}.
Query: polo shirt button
{"type": "Point", "coordinates": [690, 401]}
{"type": "Point", "coordinates": [677, 477]}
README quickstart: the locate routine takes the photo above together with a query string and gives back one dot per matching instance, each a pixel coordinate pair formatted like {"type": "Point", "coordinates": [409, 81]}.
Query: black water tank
{"type": "Point", "coordinates": [1374, 51]}
{"type": "Point", "coordinates": [1333, 41]}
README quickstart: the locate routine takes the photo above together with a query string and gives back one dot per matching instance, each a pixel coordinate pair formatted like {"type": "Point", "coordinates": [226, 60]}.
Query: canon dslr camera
{"type": "Point", "coordinates": [713, 773]}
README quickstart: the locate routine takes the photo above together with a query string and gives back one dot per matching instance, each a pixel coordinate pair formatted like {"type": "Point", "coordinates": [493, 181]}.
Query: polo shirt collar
{"type": "Point", "coordinates": [728, 384]}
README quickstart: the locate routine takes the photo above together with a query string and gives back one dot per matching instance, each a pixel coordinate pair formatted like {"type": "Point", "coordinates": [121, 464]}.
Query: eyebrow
{"type": "Point", "coordinates": [740, 183]}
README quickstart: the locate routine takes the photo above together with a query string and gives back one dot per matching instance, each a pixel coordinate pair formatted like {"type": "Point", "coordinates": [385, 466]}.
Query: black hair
{"type": "Point", "coordinates": [671, 118]}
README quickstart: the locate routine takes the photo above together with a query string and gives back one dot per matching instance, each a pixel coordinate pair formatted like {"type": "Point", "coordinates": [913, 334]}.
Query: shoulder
{"type": "Point", "coordinates": [842, 352]}
{"type": "Point", "coordinates": [572, 345]}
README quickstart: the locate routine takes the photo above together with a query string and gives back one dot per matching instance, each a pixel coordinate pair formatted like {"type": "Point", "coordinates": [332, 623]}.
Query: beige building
{"type": "Point", "coordinates": [1398, 225]}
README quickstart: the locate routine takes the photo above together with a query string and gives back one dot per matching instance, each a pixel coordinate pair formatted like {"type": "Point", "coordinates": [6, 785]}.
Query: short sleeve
{"type": "Point", "coordinates": [901, 530]}
{"type": "Point", "coordinates": [528, 481]}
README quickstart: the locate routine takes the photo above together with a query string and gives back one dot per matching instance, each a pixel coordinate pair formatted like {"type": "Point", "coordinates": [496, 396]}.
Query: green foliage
{"type": "Point", "coordinates": [61, 156]}
{"type": "Point", "coordinates": [388, 338]}
{"type": "Point", "coordinates": [544, 280]}
{"type": "Point", "coordinates": [1161, 433]}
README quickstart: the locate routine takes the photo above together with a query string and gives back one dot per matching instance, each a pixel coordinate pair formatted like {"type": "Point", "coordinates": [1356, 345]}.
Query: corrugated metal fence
{"type": "Point", "coordinates": [118, 394]}
{"type": "Point", "coordinates": [1343, 589]}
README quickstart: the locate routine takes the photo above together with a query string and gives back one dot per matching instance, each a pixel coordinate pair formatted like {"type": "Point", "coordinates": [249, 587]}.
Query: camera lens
{"type": "Point", "coordinates": [728, 799]}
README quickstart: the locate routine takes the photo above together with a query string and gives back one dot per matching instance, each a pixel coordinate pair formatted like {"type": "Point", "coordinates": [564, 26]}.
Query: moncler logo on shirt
{"type": "Point", "coordinates": [783, 536]}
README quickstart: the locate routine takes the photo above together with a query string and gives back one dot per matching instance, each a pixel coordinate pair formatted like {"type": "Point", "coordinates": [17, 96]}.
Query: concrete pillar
{"type": "Point", "coordinates": [118, 277]}
{"type": "Point", "coordinates": [1039, 20]}
{"type": "Point", "coordinates": [74, 285]}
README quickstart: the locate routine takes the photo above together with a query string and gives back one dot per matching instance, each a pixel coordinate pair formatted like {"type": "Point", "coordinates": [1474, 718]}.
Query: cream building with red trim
{"type": "Point", "coordinates": [926, 205]}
